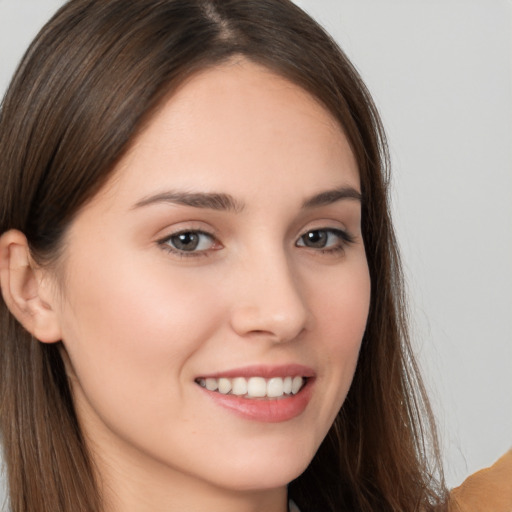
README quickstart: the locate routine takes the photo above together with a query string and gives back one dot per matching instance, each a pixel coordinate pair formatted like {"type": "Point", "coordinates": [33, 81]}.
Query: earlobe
{"type": "Point", "coordinates": [25, 288]}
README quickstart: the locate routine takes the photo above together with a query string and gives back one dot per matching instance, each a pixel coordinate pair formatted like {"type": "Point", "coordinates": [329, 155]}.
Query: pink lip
{"type": "Point", "coordinates": [264, 371]}
{"type": "Point", "coordinates": [267, 410]}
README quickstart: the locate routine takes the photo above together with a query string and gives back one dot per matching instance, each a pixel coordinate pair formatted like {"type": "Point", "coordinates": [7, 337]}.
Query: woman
{"type": "Point", "coordinates": [202, 293]}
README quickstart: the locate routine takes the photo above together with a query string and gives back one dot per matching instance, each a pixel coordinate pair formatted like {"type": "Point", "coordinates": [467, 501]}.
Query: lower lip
{"type": "Point", "coordinates": [267, 410]}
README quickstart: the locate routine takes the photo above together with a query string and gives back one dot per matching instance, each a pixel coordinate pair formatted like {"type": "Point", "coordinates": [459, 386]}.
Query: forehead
{"type": "Point", "coordinates": [239, 125]}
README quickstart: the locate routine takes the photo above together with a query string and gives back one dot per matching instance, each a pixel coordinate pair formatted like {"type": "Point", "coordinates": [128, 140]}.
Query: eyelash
{"type": "Point", "coordinates": [344, 239]}
{"type": "Point", "coordinates": [165, 243]}
{"type": "Point", "coordinates": [343, 236]}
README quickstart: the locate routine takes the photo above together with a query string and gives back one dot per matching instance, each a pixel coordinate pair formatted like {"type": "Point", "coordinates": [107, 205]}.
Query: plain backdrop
{"type": "Point", "coordinates": [440, 72]}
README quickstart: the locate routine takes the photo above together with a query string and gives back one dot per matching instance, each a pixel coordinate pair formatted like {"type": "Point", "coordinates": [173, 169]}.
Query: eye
{"type": "Point", "coordinates": [189, 242]}
{"type": "Point", "coordinates": [326, 240]}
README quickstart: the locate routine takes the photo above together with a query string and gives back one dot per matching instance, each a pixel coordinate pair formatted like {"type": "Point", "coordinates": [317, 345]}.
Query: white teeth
{"type": "Point", "coordinates": [254, 387]}
{"type": "Point", "coordinates": [296, 384]}
{"type": "Point", "coordinates": [211, 384]}
{"type": "Point", "coordinates": [224, 386]}
{"type": "Point", "coordinates": [239, 386]}
{"type": "Point", "coordinates": [275, 387]}
{"type": "Point", "coordinates": [287, 385]}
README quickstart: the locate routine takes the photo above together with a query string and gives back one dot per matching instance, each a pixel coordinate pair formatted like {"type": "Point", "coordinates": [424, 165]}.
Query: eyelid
{"type": "Point", "coordinates": [185, 226]}
{"type": "Point", "coordinates": [163, 242]}
{"type": "Point", "coordinates": [345, 239]}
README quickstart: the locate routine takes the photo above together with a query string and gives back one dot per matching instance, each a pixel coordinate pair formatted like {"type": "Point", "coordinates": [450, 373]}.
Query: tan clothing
{"type": "Point", "coordinates": [487, 490]}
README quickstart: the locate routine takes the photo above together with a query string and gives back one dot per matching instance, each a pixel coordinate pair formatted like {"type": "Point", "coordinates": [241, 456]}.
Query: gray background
{"type": "Point", "coordinates": [441, 74]}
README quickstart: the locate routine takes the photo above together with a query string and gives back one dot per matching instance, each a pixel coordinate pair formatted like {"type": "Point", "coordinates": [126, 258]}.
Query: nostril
{"type": "Point", "coordinates": [267, 324]}
{"type": "Point", "coordinates": [271, 302]}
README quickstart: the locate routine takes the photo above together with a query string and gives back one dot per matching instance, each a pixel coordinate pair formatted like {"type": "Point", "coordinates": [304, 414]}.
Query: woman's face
{"type": "Point", "coordinates": [225, 252]}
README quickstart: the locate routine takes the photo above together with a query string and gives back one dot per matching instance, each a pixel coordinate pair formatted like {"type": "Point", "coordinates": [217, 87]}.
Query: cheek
{"type": "Point", "coordinates": [123, 323]}
{"type": "Point", "coordinates": [130, 336]}
{"type": "Point", "coordinates": [343, 308]}
{"type": "Point", "coordinates": [346, 316]}
{"type": "Point", "coordinates": [342, 313]}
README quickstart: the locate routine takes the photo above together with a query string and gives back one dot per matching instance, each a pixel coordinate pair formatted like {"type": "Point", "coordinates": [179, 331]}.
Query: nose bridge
{"type": "Point", "coordinates": [270, 300]}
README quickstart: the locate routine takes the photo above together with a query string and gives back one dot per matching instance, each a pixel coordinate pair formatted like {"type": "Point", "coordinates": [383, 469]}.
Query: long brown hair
{"type": "Point", "coordinates": [86, 87]}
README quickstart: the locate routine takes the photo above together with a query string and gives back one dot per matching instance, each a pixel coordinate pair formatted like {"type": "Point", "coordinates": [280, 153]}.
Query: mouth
{"type": "Point", "coordinates": [269, 394]}
{"type": "Point", "coordinates": [256, 387]}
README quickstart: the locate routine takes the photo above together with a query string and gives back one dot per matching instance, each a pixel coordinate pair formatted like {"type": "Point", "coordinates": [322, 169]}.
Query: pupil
{"type": "Point", "coordinates": [186, 241]}
{"type": "Point", "coordinates": [316, 238]}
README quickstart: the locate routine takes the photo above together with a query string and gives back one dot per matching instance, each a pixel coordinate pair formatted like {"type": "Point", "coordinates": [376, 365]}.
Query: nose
{"type": "Point", "coordinates": [270, 301]}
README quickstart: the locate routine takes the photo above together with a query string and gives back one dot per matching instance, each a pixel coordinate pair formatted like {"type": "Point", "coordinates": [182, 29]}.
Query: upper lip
{"type": "Point", "coordinates": [265, 371]}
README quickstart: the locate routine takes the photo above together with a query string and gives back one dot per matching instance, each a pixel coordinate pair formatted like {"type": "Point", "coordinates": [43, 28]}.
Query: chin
{"type": "Point", "coordinates": [254, 479]}
{"type": "Point", "coordinates": [259, 470]}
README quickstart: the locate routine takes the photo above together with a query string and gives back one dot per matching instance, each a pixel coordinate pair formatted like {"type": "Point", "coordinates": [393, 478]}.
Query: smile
{"type": "Point", "coordinates": [254, 387]}
{"type": "Point", "coordinates": [263, 393]}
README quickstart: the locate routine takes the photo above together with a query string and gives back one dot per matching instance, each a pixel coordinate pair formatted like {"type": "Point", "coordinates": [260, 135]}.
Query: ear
{"type": "Point", "coordinates": [27, 289]}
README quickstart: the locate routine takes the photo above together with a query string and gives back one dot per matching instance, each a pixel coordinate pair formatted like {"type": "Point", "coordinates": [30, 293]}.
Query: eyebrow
{"type": "Point", "coordinates": [332, 196]}
{"type": "Point", "coordinates": [212, 201]}
{"type": "Point", "coordinates": [226, 202]}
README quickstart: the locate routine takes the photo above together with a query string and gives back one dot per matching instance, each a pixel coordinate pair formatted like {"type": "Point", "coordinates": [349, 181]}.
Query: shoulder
{"type": "Point", "coordinates": [488, 490]}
